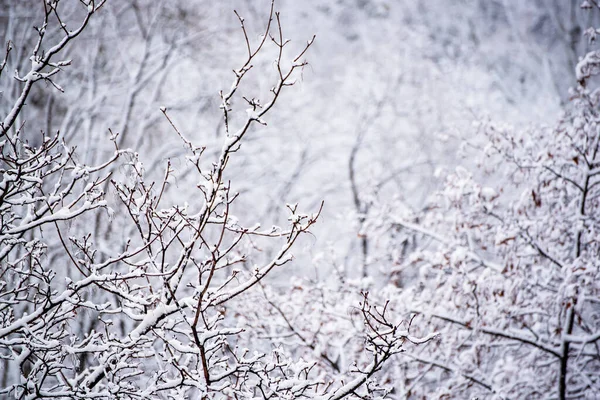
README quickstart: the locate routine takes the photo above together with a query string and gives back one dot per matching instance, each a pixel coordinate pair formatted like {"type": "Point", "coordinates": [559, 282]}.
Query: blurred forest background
{"type": "Point", "coordinates": [394, 86]}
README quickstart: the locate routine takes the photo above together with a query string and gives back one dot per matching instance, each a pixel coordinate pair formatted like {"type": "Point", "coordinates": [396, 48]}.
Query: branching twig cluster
{"type": "Point", "coordinates": [150, 316]}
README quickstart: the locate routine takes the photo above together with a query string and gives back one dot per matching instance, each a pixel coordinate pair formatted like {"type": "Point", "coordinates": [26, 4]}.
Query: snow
{"type": "Point", "coordinates": [491, 257]}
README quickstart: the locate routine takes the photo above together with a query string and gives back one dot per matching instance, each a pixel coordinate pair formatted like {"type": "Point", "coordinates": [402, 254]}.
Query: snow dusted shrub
{"type": "Point", "coordinates": [508, 272]}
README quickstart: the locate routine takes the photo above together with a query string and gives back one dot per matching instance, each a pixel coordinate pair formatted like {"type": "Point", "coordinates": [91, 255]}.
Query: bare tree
{"type": "Point", "coordinates": [153, 315]}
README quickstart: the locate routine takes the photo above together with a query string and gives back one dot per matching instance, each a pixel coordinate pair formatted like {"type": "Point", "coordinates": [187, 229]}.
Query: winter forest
{"type": "Point", "coordinates": [339, 199]}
